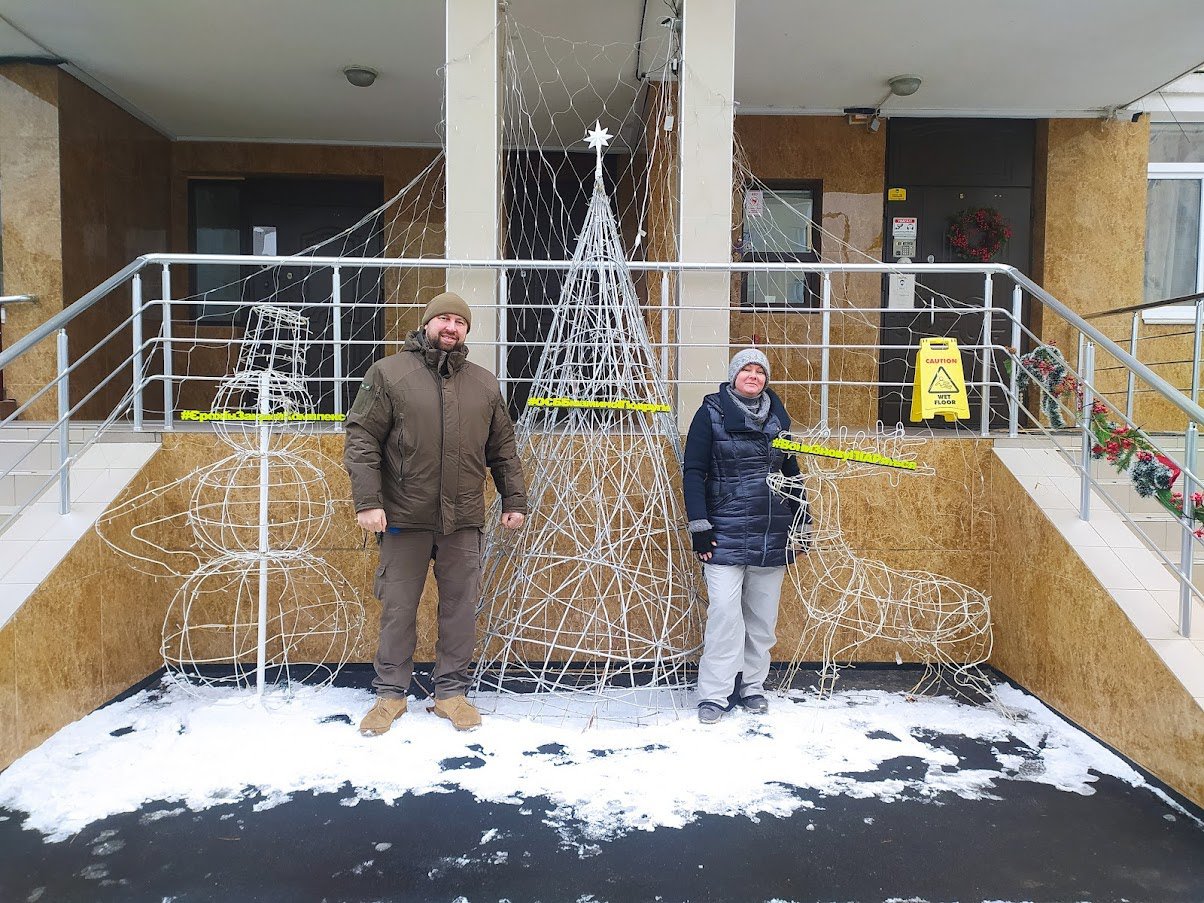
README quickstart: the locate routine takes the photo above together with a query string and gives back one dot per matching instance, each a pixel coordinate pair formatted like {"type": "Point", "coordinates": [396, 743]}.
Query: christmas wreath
{"type": "Point", "coordinates": [978, 234]}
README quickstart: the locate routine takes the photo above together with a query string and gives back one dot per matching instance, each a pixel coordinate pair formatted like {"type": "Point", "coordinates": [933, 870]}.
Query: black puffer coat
{"type": "Point", "coordinates": [726, 462]}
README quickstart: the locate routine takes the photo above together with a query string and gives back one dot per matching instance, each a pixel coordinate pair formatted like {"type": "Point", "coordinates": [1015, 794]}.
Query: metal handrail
{"type": "Point", "coordinates": [67, 314]}
{"type": "Point", "coordinates": [983, 349]}
{"type": "Point", "coordinates": [439, 263]}
{"type": "Point", "coordinates": [61, 319]}
{"type": "Point", "coordinates": [1148, 305]}
{"type": "Point", "coordinates": [1193, 411]}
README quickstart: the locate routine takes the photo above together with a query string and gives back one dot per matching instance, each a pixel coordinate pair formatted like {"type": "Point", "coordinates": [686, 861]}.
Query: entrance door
{"type": "Point", "coordinates": [304, 213]}
{"type": "Point", "coordinates": [945, 167]}
{"type": "Point", "coordinates": [547, 198]}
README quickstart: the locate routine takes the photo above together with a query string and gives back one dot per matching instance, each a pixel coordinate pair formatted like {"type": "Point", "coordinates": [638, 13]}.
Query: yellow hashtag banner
{"type": "Point", "coordinates": [846, 455]}
{"type": "Point", "coordinates": [619, 404]}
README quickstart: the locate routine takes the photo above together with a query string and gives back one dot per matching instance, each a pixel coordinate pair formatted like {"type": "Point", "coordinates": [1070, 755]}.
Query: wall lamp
{"type": "Point", "coordinates": [899, 85]}
{"type": "Point", "coordinates": [360, 76]}
{"type": "Point", "coordinates": [903, 85]}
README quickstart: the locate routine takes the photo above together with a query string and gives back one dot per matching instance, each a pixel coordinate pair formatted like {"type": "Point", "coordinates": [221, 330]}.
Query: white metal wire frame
{"type": "Point", "coordinates": [594, 602]}
{"type": "Point", "coordinates": [255, 593]}
{"type": "Point", "coordinates": [851, 600]}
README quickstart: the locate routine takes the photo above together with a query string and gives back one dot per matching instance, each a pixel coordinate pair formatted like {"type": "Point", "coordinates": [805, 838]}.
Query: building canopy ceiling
{"type": "Point", "coordinates": [272, 70]}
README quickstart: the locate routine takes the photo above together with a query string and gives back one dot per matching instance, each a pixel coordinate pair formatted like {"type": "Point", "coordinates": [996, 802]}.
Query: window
{"type": "Point", "coordinates": [216, 229]}
{"type": "Point", "coordinates": [779, 226]}
{"type": "Point", "coordinates": [1174, 243]}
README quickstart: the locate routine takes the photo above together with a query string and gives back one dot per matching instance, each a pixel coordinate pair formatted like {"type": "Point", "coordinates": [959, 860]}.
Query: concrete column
{"type": "Point", "coordinates": [707, 76]}
{"type": "Point", "coordinates": [473, 190]}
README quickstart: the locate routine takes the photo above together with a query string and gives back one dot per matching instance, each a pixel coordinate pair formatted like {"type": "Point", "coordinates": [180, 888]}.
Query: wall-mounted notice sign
{"type": "Point", "coordinates": [901, 292]}
{"type": "Point", "coordinates": [896, 194]}
{"type": "Point", "coordinates": [754, 203]}
{"type": "Point", "coordinates": [904, 227]}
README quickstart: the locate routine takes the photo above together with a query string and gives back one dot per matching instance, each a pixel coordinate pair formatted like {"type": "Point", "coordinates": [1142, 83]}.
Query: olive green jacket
{"type": "Point", "coordinates": [423, 428]}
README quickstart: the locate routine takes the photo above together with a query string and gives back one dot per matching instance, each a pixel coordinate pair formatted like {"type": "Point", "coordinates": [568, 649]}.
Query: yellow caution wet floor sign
{"type": "Point", "coordinates": [940, 387]}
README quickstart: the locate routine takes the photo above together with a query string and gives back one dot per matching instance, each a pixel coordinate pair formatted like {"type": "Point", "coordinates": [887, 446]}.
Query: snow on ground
{"type": "Point", "coordinates": [193, 748]}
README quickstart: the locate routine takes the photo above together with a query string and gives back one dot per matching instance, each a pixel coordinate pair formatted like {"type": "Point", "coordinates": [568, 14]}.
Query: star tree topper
{"type": "Point", "coordinates": [598, 139]}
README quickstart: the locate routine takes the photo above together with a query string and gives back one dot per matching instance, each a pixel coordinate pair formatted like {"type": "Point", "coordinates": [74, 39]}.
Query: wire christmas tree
{"type": "Point", "coordinates": [593, 606]}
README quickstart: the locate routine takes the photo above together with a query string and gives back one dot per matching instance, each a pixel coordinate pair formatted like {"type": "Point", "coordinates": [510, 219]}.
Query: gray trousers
{"type": "Point", "coordinates": [404, 560]}
{"type": "Point", "coordinates": [741, 618]}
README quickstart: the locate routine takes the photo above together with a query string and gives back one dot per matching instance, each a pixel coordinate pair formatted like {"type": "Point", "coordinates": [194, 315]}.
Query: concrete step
{"type": "Point", "coordinates": [18, 488]}
{"type": "Point", "coordinates": [29, 455]}
{"type": "Point", "coordinates": [1127, 498]}
{"type": "Point", "coordinates": [78, 431]}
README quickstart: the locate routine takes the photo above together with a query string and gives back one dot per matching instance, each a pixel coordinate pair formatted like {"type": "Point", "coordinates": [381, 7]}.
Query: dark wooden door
{"type": "Point", "coordinates": [547, 197]}
{"type": "Point", "coordinates": [306, 213]}
{"type": "Point", "coordinates": [945, 167]}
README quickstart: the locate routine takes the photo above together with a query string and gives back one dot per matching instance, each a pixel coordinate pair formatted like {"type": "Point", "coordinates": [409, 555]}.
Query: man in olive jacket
{"type": "Point", "coordinates": [423, 428]}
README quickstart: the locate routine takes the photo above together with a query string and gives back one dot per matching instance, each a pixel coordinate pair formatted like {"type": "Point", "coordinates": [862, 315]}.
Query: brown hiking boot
{"type": "Point", "coordinates": [381, 716]}
{"type": "Point", "coordinates": [459, 711]}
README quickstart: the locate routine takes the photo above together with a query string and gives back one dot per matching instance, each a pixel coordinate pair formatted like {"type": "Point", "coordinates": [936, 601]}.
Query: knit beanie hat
{"type": "Point", "coordinates": [447, 303]}
{"type": "Point", "coordinates": [743, 358]}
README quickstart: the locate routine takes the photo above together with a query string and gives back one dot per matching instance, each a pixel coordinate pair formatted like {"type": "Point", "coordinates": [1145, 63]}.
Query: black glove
{"type": "Point", "coordinates": [703, 542]}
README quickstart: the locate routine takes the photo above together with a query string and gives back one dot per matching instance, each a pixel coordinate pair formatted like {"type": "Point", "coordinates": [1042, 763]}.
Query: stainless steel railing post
{"type": "Point", "coordinates": [336, 335]}
{"type": "Point", "coordinates": [1014, 378]}
{"type": "Point", "coordinates": [1195, 353]}
{"type": "Point", "coordinates": [503, 332]}
{"type": "Point", "coordinates": [64, 362]}
{"type": "Point", "coordinates": [825, 363]}
{"type": "Point", "coordinates": [1187, 544]}
{"type": "Point", "coordinates": [984, 415]}
{"type": "Point", "coordinates": [168, 386]}
{"type": "Point", "coordinates": [1131, 381]}
{"type": "Point", "coordinates": [1087, 373]}
{"type": "Point", "coordinates": [136, 339]}
{"type": "Point", "coordinates": [665, 325]}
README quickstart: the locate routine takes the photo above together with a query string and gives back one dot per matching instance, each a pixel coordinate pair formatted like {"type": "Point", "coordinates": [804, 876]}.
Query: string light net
{"type": "Point", "coordinates": [592, 607]}
{"type": "Point", "coordinates": [553, 87]}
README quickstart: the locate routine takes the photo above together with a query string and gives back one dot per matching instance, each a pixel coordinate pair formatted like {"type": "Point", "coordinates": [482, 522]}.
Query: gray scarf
{"type": "Point", "coordinates": [756, 408]}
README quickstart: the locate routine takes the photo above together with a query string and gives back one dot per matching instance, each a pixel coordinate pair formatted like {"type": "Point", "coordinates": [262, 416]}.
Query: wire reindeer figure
{"type": "Point", "coordinates": [852, 600]}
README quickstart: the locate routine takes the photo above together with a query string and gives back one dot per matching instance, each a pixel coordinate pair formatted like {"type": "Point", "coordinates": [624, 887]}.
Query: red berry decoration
{"type": "Point", "coordinates": [978, 234]}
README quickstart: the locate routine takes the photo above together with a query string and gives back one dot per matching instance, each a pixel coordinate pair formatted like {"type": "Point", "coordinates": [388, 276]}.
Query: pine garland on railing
{"type": "Point", "coordinates": [1046, 367]}
{"type": "Point", "coordinates": [1124, 447]}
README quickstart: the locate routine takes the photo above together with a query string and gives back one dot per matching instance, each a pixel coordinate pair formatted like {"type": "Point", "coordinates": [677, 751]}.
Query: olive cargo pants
{"type": "Point", "coordinates": [404, 560]}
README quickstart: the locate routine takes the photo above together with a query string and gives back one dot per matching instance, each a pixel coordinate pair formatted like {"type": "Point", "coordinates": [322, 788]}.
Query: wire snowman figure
{"type": "Point", "coordinates": [257, 605]}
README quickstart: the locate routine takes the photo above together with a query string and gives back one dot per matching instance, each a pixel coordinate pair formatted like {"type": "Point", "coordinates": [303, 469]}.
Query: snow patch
{"type": "Point", "coordinates": [198, 748]}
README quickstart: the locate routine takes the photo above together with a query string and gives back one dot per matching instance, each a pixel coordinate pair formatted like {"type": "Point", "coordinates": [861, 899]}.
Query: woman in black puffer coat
{"type": "Point", "coordinates": [740, 531]}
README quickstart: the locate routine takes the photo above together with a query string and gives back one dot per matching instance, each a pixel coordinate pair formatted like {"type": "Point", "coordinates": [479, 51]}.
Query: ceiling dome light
{"type": "Point", "coordinates": [360, 76]}
{"type": "Point", "coordinates": [904, 85]}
